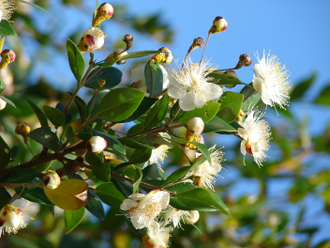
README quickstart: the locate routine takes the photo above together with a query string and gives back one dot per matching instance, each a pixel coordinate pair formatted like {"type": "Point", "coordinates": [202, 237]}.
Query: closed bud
{"type": "Point", "coordinates": [195, 125]}
{"type": "Point", "coordinates": [244, 60]}
{"type": "Point", "coordinates": [116, 55]}
{"type": "Point", "coordinates": [191, 217]}
{"type": "Point", "coordinates": [8, 56]}
{"type": "Point", "coordinates": [165, 56]}
{"type": "Point", "coordinates": [104, 12]}
{"type": "Point", "coordinates": [91, 40]}
{"type": "Point", "coordinates": [197, 43]}
{"type": "Point", "coordinates": [2, 104]}
{"type": "Point", "coordinates": [219, 25]}
{"type": "Point", "coordinates": [128, 39]}
{"type": "Point", "coordinates": [101, 83]}
{"type": "Point", "coordinates": [96, 144]}
{"type": "Point", "coordinates": [107, 158]}
{"type": "Point", "coordinates": [23, 129]}
{"type": "Point", "coordinates": [51, 179]}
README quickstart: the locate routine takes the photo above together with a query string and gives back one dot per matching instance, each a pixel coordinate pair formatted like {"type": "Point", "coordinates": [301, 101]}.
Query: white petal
{"type": "Point", "coordinates": [176, 92]}
{"type": "Point", "coordinates": [187, 102]}
{"type": "Point", "coordinates": [166, 81]}
{"type": "Point", "coordinates": [128, 204]}
{"type": "Point", "coordinates": [257, 84]}
{"type": "Point", "coordinates": [243, 133]}
{"type": "Point", "coordinates": [243, 147]}
{"type": "Point", "coordinates": [137, 73]}
{"type": "Point", "coordinates": [200, 100]}
{"type": "Point", "coordinates": [137, 196]}
{"type": "Point", "coordinates": [19, 203]}
{"type": "Point", "coordinates": [212, 92]}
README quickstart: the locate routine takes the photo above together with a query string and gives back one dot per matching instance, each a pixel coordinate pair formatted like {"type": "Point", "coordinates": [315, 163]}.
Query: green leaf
{"type": "Point", "coordinates": [7, 101]}
{"type": "Point", "coordinates": [2, 86]}
{"type": "Point", "coordinates": [97, 102]}
{"type": "Point", "coordinates": [145, 105]}
{"type": "Point", "coordinates": [252, 98]}
{"type": "Point", "coordinates": [133, 143]}
{"type": "Point", "coordinates": [34, 5]}
{"type": "Point", "coordinates": [82, 108]}
{"type": "Point", "coordinates": [323, 98]}
{"type": "Point", "coordinates": [4, 197]}
{"type": "Point", "coordinates": [109, 194]}
{"type": "Point", "coordinates": [204, 150]}
{"type": "Point", "coordinates": [4, 153]}
{"type": "Point", "coordinates": [6, 29]}
{"type": "Point", "coordinates": [153, 175]}
{"type": "Point", "coordinates": [157, 113]}
{"type": "Point", "coordinates": [140, 155]}
{"type": "Point", "coordinates": [41, 115]}
{"type": "Point", "coordinates": [119, 104]}
{"type": "Point", "coordinates": [300, 89]}
{"type": "Point", "coordinates": [154, 78]}
{"type": "Point", "coordinates": [73, 218]}
{"type": "Point", "coordinates": [128, 56]}
{"type": "Point", "coordinates": [102, 172]}
{"type": "Point", "coordinates": [134, 172]}
{"type": "Point", "coordinates": [230, 106]}
{"type": "Point", "coordinates": [207, 112]}
{"type": "Point", "coordinates": [94, 205]}
{"type": "Point", "coordinates": [111, 75]}
{"type": "Point", "coordinates": [76, 60]}
{"type": "Point", "coordinates": [19, 176]}
{"type": "Point", "coordinates": [35, 194]}
{"type": "Point", "coordinates": [224, 78]}
{"type": "Point", "coordinates": [47, 138]}
{"type": "Point", "coordinates": [43, 166]}
{"type": "Point", "coordinates": [67, 116]}
{"type": "Point", "coordinates": [14, 152]}
{"type": "Point", "coordinates": [55, 116]}
{"type": "Point", "coordinates": [218, 125]}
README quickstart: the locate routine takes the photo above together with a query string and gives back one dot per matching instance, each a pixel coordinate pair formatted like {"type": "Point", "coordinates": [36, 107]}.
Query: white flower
{"type": "Point", "coordinates": [6, 9]}
{"type": "Point", "coordinates": [256, 134]}
{"type": "Point", "coordinates": [13, 218]}
{"type": "Point", "coordinates": [271, 80]}
{"type": "Point", "coordinates": [143, 209]}
{"type": "Point", "coordinates": [158, 236]}
{"type": "Point", "coordinates": [160, 153]}
{"type": "Point", "coordinates": [206, 174]}
{"type": "Point", "coordinates": [96, 144]}
{"type": "Point", "coordinates": [91, 40]}
{"type": "Point", "coordinates": [189, 85]}
{"type": "Point", "coordinates": [137, 74]}
{"type": "Point", "coordinates": [3, 104]}
{"type": "Point", "coordinates": [174, 216]}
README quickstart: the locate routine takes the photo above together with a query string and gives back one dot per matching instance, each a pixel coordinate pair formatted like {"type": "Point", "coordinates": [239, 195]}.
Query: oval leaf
{"type": "Point", "coordinates": [47, 138]}
{"type": "Point", "coordinates": [41, 115]}
{"type": "Point", "coordinates": [112, 77]}
{"type": "Point", "coordinates": [6, 29]}
{"type": "Point", "coordinates": [73, 218]}
{"type": "Point", "coordinates": [76, 60]}
{"type": "Point", "coordinates": [154, 78]}
{"type": "Point", "coordinates": [231, 103]}
{"type": "Point", "coordinates": [94, 205]}
{"type": "Point", "coordinates": [157, 113]}
{"type": "Point", "coordinates": [109, 194]}
{"type": "Point", "coordinates": [207, 112]}
{"type": "Point", "coordinates": [55, 116]}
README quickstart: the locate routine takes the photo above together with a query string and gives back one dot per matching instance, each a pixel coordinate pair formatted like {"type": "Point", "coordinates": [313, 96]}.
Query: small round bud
{"type": "Point", "coordinates": [23, 129]}
{"type": "Point", "coordinates": [165, 56]}
{"type": "Point", "coordinates": [219, 25]}
{"type": "Point", "coordinates": [107, 158]}
{"type": "Point", "coordinates": [101, 83]}
{"type": "Point", "coordinates": [104, 12]}
{"type": "Point", "coordinates": [195, 125]}
{"type": "Point", "coordinates": [8, 55]}
{"type": "Point", "coordinates": [115, 55]}
{"type": "Point", "coordinates": [128, 39]}
{"type": "Point", "coordinates": [198, 42]}
{"type": "Point", "coordinates": [244, 60]}
{"type": "Point", "coordinates": [2, 104]}
{"type": "Point", "coordinates": [91, 40]}
{"type": "Point", "coordinates": [51, 179]}
{"type": "Point", "coordinates": [191, 217]}
{"type": "Point", "coordinates": [96, 144]}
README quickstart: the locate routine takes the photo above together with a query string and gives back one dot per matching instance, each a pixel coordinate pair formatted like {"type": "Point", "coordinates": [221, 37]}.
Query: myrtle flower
{"type": "Point", "coordinates": [160, 153]}
{"type": "Point", "coordinates": [13, 218]}
{"type": "Point", "coordinates": [6, 9]}
{"type": "Point", "coordinates": [189, 85]}
{"type": "Point", "coordinates": [271, 80]}
{"type": "Point", "coordinates": [158, 235]}
{"type": "Point", "coordinates": [91, 40]}
{"type": "Point", "coordinates": [143, 209]}
{"type": "Point", "coordinates": [3, 104]}
{"type": "Point", "coordinates": [205, 174]}
{"type": "Point", "coordinates": [173, 215]}
{"type": "Point", "coordinates": [256, 133]}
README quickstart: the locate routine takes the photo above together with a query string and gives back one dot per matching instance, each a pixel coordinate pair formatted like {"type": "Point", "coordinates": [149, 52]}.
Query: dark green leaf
{"type": "Point", "coordinates": [135, 143]}
{"type": "Point", "coordinates": [224, 78]}
{"type": "Point", "coordinates": [73, 218]}
{"type": "Point", "coordinates": [35, 194]}
{"type": "Point", "coordinates": [230, 106]}
{"type": "Point", "coordinates": [123, 187]}
{"type": "Point", "coordinates": [109, 194]}
{"type": "Point", "coordinates": [95, 104]}
{"type": "Point", "coordinates": [251, 98]}
{"type": "Point", "coordinates": [204, 150]}
{"type": "Point", "coordinates": [154, 78]}
{"type": "Point", "coordinates": [47, 138]}
{"type": "Point", "coordinates": [153, 175]}
{"type": "Point", "coordinates": [111, 75]}
{"type": "Point", "coordinates": [6, 29]}
{"type": "Point", "coordinates": [19, 176]}
{"type": "Point", "coordinates": [7, 100]}
{"type": "Point", "coordinates": [67, 116]}
{"type": "Point", "coordinates": [119, 104]}
{"type": "Point", "coordinates": [323, 98]}
{"type": "Point", "coordinates": [207, 112]}
{"type": "Point", "coordinates": [218, 125]}
{"type": "Point", "coordinates": [4, 197]}
{"type": "Point", "coordinates": [94, 205]}
{"type": "Point", "coordinates": [82, 108]}
{"type": "Point", "coordinates": [145, 105]}
{"type": "Point", "coordinates": [140, 155]}
{"type": "Point", "coordinates": [13, 152]}
{"type": "Point", "coordinates": [41, 116]}
{"type": "Point", "coordinates": [55, 116]}
{"type": "Point", "coordinates": [157, 113]}
{"type": "Point", "coordinates": [76, 60]}
{"type": "Point", "coordinates": [300, 89]}
{"type": "Point", "coordinates": [2, 86]}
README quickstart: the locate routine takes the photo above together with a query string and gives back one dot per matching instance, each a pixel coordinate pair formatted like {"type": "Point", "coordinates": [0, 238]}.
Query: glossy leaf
{"type": "Point", "coordinates": [69, 195]}
{"type": "Point", "coordinates": [41, 115]}
{"type": "Point", "coordinates": [82, 108]}
{"type": "Point", "coordinates": [76, 60]}
{"type": "Point", "coordinates": [119, 104]}
{"type": "Point", "coordinates": [6, 29]}
{"type": "Point", "coordinates": [55, 116]}
{"type": "Point", "coordinates": [73, 218]}
{"type": "Point", "coordinates": [4, 197]}
{"type": "Point", "coordinates": [35, 194]}
{"type": "Point", "coordinates": [133, 143]}
{"type": "Point", "coordinates": [154, 78]}
{"type": "Point", "coordinates": [204, 150]}
{"type": "Point", "coordinates": [207, 112]}
{"type": "Point", "coordinates": [140, 155]}
{"type": "Point", "coordinates": [95, 104]}
{"type": "Point", "coordinates": [224, 78]}
{"type": "Point", "coordinates": [109, 194]}
{"type": "Point", "coordinates": [230, 106]}
{"type": "Point", "coordinates": [46, 137]}
{"type": "Point", "coordinates": [94, 205]}
{"type": "Point", "coordinates": [19, 176]}
{"type": "Point", "coordinates": [145, 105]}
{"type": "Point", "coordinates": [218, 125]}
{"type": "Point", "coordinates": [157, 113]}
{"type": "Point", "coordinates": [2, 86]}
{"type": "Point", "coordinates": [112, 77]}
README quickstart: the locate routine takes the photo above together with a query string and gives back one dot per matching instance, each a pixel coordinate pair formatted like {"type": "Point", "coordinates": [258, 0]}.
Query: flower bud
{"type": "Point", "coordinates": [91, 40]}
{"type": "Point", "coordinates": [115, 55]}
{"type": "Point", "coordinates": [23, 129]}
{"type": "Point", "coordinates": [107, 158]}
{"type": "Point", "coordinates": [51, 179]}
{"type": "Point", "coordinates": [195, 125]}
{"type": "Point", "coordinates": [2, 104]}
{"type": "Point", "coordinates": [191, 217]}
{"type": "Point", "coordinates": [128, 39]}
{"type": "Point", "coordinates": [104, 12]}
{"type": "Point", "coordinates": [8, 56]}
{"type": "Point", "coordinates": [244, 60]}
{"type": "Point", "coordinates": [96, 144]}
{"type": "Point", "coordinates": [219, 25]}
{"type": "Point", "coordinates": [101, 83]}
{"type": "Point", "coordinates": [165, 56]}
{"type": "Point", "coordinates": [197, 43]}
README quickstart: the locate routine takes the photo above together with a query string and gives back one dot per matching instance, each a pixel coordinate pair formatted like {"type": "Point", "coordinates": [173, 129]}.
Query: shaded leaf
{"type": "Point", "coordinates": [230, 106]}
{"type": "Point", "coordinates": [218, 125]}
{"type": "Point", "coordinates": [73, 218]}
{"type": "Point", "coordinates": [154, 78]}
{"type": "Point", "coordinates": [41, 115]}
{"type": "Point", "coordinates": [55, 116]}
{"type": "Point", "coordinates": [112, 77]}
{"type": "Point", "coordinates": [157, 113]}
{"type": "Point", "coordinates": [76, 60]}
{"type": "Point", "coordinates": [323, 98]}
{"type": "Point", "coordinates": [46, 137]}
{"type": "Point", "coordinates": [94, 205]}
{"type": "Point", "coordinates": [109, 194]}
